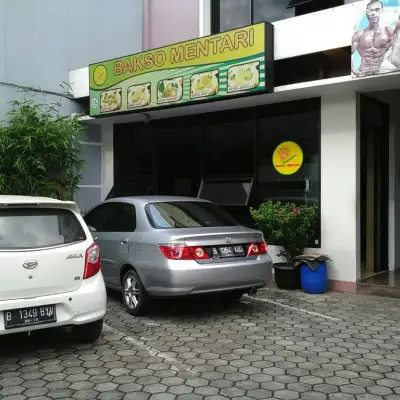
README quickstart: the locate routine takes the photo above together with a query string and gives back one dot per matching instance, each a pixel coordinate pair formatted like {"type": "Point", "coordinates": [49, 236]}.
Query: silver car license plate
{"type": "Point", "coordinates": [30, 316]}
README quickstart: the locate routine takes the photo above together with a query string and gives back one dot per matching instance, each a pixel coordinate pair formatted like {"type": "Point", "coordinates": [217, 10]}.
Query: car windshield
{"type": "Point", "coordinates": [27, 228]}
{"type": "Point", "coordinates": [187, 214]}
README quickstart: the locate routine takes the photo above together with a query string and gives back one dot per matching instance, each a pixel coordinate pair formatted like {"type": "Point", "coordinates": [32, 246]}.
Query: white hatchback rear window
{"type": "Point", "coordinates": [29, 228]}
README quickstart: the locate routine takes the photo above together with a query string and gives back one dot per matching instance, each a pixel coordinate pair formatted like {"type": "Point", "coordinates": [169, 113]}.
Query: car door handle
{"type": "Point", "coordinates": [95, 238]}
{"type": "Point", "coordinates": [124, 242]}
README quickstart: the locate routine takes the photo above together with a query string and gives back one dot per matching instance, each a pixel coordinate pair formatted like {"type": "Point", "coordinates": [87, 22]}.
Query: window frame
{"type": "Point", "coordinates": [290, 108]}
{"type": "Point", "coordinates": [93, 211]}
{"type": "Point", "coordinates": [45, 212]}
{"type": "Point", "coordinates": [155, 226]}
{"type": "Point", "coordinates": [107, 206]}
{"type": "Point", "coordinates": [216, 13]}
{"type": "Point", "coordinates": [216, 16]}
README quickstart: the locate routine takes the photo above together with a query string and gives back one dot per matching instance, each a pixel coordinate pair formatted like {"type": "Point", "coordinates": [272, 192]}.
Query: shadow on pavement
{"type": "Point", "coordinates": [191, 306]}
{"type": "Point", "coordinates": [60, 340]}
{"type": "Point", "coordinates": [43, 341]}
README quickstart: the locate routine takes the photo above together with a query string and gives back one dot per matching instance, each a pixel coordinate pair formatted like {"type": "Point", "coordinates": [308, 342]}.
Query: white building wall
{"type": "Point", "coordinates": [393, 188]}
{"type": "Point", "coordinates": [204, 17]}
{"type": "Point", "coordinates": [339, 184]}
{"type": "Point", "coordinates": [107, 159]}
{"type": "Point", "coordinates": [312, 33]}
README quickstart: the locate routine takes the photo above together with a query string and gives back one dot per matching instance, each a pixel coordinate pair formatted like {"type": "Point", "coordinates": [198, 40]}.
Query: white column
{"type": "Point", "coordinates": [204, 18]}
{"type": "Point", "coordinates": [107, 159]}
{"type": "Point", "coordinates": [340, 185]}
{"type": "Point", "coordinates": [392, 187]}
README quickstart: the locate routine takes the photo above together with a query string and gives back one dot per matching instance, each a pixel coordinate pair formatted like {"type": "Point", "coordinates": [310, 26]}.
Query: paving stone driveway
{"type": "Point", "coordinates": [287, 346]}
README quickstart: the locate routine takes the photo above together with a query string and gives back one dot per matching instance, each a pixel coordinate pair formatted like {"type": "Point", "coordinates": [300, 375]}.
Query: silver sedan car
{"type": "Point", "coordinates": [175, 246]}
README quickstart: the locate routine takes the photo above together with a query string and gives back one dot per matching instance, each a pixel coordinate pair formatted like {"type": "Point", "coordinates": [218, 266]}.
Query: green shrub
{"type": "Point", "coordinates": [286, 225]}
{"type": "Point", "coordinates": [40, 153]}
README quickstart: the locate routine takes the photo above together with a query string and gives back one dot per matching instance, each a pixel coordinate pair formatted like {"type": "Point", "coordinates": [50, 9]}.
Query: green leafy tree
{"type": "Point", "coordinates": [286, 225]}
{"type": "Point", "coordinates": [40, 153]}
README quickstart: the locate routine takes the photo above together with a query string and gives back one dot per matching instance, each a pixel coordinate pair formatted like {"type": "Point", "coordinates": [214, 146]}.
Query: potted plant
{"type": "Point", "coordinates": [291, 227]}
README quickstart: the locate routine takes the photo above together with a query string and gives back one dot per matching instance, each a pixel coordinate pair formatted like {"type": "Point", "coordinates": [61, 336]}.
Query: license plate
{"type": "Point", "coordinates": [30, 316]}
{"type": "Point", "coordinates": [229, 251]}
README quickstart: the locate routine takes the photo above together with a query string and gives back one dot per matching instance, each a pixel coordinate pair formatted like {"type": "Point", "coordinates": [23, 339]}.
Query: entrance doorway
{"type": "Point", "coordinates": [374, 187]}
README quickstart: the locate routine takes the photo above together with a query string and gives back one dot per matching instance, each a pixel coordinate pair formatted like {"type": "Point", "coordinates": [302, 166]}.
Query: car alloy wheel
{"type": "Point", "coordinates": [135, 297]}
{"type": "Point", "coordinates": [131, 292]}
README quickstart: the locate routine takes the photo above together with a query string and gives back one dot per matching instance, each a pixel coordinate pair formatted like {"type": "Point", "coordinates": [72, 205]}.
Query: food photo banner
{"type": "Point", "coordinates": [232, 63]}
{"type": "Point", "coordinates": [375, 44]}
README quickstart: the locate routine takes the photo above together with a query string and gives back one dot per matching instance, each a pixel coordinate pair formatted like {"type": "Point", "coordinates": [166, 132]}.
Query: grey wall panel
{"type": "Point", "coordinates": [8, 94]}
{"type": "Point", "coordinates": [87, 198]}
{"type": "Point", "coordinates": [92, 133]}
{"type": "Point", "coordinates": [91, 173]}
{"type": "Point", "coordinates": [3, 77]}
{"type": "Point", "coordinates": [42, 40]}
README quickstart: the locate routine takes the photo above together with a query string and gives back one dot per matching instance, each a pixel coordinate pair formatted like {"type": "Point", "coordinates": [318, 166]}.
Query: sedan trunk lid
{"type": "Point", "coordinates": [216, 236]}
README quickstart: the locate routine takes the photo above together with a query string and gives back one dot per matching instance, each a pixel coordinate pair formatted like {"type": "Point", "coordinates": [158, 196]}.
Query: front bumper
{"type": "Point", "coordinates": [82, 306]}
{"type": "Point", "coordinates": [187, 278]}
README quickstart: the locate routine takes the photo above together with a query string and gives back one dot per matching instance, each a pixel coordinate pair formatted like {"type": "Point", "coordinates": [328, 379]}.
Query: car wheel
{"type": "Point", "coordinates": [88, 333]}
{"type": "Point", "coordinates": [134, 295]}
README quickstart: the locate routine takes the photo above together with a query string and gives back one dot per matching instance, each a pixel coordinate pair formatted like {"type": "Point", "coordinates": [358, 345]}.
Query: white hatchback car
{"type": "Point", "coordinates": [49, 268]}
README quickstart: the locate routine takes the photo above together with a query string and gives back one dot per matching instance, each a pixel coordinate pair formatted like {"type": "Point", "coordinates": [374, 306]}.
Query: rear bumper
{"type": "Point", "coordinates": [82, 306]}
{"type": "Point", "coordinates": [187, 278]}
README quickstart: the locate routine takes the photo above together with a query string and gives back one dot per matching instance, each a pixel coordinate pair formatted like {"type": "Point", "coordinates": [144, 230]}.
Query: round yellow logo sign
{"type": "Point", "coordinates": [287, 158]}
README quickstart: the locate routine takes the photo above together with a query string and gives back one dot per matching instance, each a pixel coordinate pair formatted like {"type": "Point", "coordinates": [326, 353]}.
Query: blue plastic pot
{"type": "Point", "coordinates": [314, 281]}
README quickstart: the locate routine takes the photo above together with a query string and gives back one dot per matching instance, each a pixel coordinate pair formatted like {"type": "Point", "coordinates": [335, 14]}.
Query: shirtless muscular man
{"type": "Point", "coordinates": [372, 43]}
{"type": "Point", "coordinates": [395, 56]}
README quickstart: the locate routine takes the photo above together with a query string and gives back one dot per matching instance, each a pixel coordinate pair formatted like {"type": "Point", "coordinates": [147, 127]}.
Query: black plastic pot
{"type": "Point", "coordinates": [287, 276]}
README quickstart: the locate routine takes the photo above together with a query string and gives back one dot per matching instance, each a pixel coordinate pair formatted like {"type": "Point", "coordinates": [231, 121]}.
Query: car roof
{"type": "Point", "coordinates": [6, 200]}
{"type": "Point", "coordinates": [155, 199]}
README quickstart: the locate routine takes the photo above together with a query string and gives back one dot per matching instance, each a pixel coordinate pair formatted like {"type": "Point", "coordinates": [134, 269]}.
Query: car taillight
{"type": "Point", "coordinates": [198, 253]}
{"type": "Point", "coordinates": [183, 252]}
{"type": "Point", "coordinates": [255, 249]}
{"type": "Point", "coordinates": [92, 261]}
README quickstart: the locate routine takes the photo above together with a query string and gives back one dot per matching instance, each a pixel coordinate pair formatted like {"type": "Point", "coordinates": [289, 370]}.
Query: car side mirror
{"type": "Point", "coordinates": [92, 229]}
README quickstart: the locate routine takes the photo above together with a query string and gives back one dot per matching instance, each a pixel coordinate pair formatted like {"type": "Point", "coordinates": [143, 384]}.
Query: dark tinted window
{"type": "Point", "coordinates": [234, 14]}
{"type": "Point", "coordinates": [25, 228]}
{"type": "Point", "coordinates": [187, 214]}
{"type": "Point", "coordinates": [302, 187]}
{"type": "Point", "coordinates": [224, 156]}
{"type": "Point", "coordinates": [112, 217]}
{"type": "Point", "coordinates": [121, 218]}
{"type": "Point", "coordinates": [97, 217]}
{"type": "Point", "coordinates": [271, 10]}
{"type": "Point", "coordinates": [227, 193]}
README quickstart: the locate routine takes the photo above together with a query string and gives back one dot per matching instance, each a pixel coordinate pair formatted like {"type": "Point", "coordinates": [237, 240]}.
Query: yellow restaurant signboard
{"type": "Point", "coordinates": [287, 158]}
{"type": "Point", "coordinates": [236, 62]}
